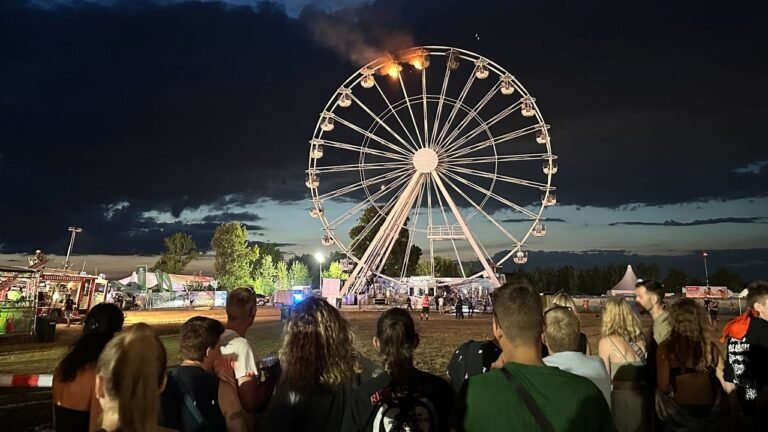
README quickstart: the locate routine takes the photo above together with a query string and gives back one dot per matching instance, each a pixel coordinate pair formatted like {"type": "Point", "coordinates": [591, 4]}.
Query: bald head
{"type": "Point", "coordinates": [241, 305]}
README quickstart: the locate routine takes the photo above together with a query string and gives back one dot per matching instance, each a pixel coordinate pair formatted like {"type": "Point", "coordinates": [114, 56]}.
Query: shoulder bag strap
{"type": "Point", "coordinates": [533, 408]}
{"type": "Point", "coordinates": [188, 401]}
{"type": "Point", "coordinates": [642, 355]}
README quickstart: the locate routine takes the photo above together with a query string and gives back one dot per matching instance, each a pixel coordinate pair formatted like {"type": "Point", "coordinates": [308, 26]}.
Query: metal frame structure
{"type": "Point", "coordinates": [430, 150]}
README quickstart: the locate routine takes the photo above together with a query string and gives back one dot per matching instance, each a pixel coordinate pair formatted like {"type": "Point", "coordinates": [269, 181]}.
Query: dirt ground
{"type": "Point", "coordinates": [29, 409]}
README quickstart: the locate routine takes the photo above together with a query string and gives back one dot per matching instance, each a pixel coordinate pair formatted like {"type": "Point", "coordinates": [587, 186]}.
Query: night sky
{"type": "Point", "coordinates": [136, 119]}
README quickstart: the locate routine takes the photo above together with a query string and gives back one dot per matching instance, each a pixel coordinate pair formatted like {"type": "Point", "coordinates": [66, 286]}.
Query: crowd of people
{"type": "Point", "coordinates": [537, 373]}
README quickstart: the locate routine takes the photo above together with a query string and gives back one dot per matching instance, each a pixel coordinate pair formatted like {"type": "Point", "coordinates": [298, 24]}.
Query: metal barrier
{"type": "Point", "coordinates": [26, 380]}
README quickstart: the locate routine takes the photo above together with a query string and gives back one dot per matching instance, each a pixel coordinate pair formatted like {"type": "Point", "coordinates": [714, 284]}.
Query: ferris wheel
{"type": "Point", "coordinates": [439, 145]}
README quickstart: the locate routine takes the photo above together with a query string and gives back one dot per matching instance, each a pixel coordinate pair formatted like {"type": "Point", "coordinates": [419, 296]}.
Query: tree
{"type": "Point", "coordinates": [265, 250]}
{"type": "Point", "coordinates": [648, 271]}
{"type": "Point", "coordinates": [265, 276]}
{"type": "Point", "coordinates": [298, 274]}
{"type": "Point", "coordinates": [282, 279]}
{"type": "Point", "coordinates": [394, 263]}
{"type": "Point", "coordinates": [424, 268]}
{"type": "Point", "coordinates": [675, 280]}
{"type": "Point", "coordinates": [180, 250]}
{"type": "Point", "coordinates": [334, 271]}
{"type": "Point", "coordinates": [446, 267]}
{"type": "Point", "coordinates": [234, 257]}
{"type": "Point", "coordinates": [726, 278]}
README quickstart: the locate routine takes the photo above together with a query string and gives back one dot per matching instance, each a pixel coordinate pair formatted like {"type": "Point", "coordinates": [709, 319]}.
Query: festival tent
{"type": "Point", "coordinates": [174, 281]}
{"type": "Point", "coordinates": [626, 286]}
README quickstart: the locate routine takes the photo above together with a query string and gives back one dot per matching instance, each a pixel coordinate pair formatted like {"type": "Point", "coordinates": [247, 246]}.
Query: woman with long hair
{"type": "Point", "coordinates": [130, 375]}
{"type": "Point", "coordinates": [403, 397]}
{"type": "Point", "coordinates": [75, 406]}
{"type": "Point", "coordinates": [319, 366]}
{"type": "Point", "coordinates": [689, 378]}
{"type": "Point", "coordinates": [623, 349]}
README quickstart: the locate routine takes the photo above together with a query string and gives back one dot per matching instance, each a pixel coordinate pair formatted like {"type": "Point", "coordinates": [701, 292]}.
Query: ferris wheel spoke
{"type": "Point", "coordinates": [438, 112]}
{"type": "Point", "coordinates": [473, 243]}
{"type": "Point", "coordinates": [413, 145]}
{"type": "Point", "coordinates": [495, 141]}
{"type": "Point", "coordinates": [380, 122]}
{"type": "Point", "coordinates": [480, 210]}
{"type": "Point", "coordinates": [504, 178]}
{"type": "Point", "coordinates": [494, 159]}
{"type": "Point", "coordinates": [447, 224]}
{"type": "Point", "coordinates": [356, 167]}
{"type": "Point", "coordinates": [384, 210]}
{"type": "Point", "coordinates": [424, 105]}
{"type": "Point", "coordinates": [483, 126]}
{"type": "Point", "coordinates": [455, 108]}
{"type": "Point", "coordinates": [470, 115]}
{"type": "Point", "coordinates": [410, 110]}
{"type": "Point", "coordinates": [399, 183]}
{"type": "Point", "coordinates": [370, 135]}
{"type": "Point", "coordinates": [361, 184]}
{"type": "Point", "coordinates": [412, 231]}
{"type": "Point", "coordinates": [491, 194]}
{"type": "Point", "coordinates": [429, 224]}
{"type": "Point", "coordinates": [359, 148]}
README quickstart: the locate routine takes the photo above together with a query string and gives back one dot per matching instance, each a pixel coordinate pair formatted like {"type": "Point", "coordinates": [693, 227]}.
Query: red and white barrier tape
{"type": "Point", "coordinates": [22, 380]}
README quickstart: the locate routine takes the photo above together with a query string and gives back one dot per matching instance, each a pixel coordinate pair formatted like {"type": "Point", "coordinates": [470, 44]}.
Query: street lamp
{"type": "Point", "coordinates": [706, 272]}
{"type": "Point", "coordinates": [320, 258]}
{"type": "Point", "coordinates": [74, 231]}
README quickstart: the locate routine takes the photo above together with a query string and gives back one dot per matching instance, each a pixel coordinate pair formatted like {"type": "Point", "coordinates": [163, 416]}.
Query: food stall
{"type": "Point", "coordinates": [86, 290]}
{"type": "Point", "coordinates": [18, 291]}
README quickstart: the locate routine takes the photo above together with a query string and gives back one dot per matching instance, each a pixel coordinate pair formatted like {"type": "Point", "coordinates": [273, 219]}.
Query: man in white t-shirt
{"type": "Point", "coordinates": [241, 311]}
{"type": "Point", "coordinates": [561, 335]}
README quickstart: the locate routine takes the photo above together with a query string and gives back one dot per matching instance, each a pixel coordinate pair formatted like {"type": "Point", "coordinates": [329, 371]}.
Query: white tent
{"type": "Point", "coordinates": [179, 282]}
{"type": "Point", "coordinates": [626, 286]}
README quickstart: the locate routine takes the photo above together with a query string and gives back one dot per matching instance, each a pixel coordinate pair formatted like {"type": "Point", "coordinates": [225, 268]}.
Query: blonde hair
{"type": "Point", "coordinates": [318, 347]}
{"type": "Point", "coordinates": [619, 320]}
{"type": "Point", "coordinates": [564, 300]}
{"type": "Point", "coordinates": [132, 366]}
{"type": "Point", "coordinates": [562, 329]}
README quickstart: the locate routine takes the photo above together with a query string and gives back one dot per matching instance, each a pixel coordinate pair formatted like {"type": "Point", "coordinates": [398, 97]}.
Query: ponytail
{"type": "Point", "coordinates": [133, 367]}
{"type": "Point", "coordinates": [397, 337]}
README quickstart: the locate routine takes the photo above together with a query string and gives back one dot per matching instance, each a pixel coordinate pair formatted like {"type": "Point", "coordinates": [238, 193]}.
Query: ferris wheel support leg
{"type": "Point", "coordinates": [470, 238]}
{"type": "Point", "coordinates": [383, 236]}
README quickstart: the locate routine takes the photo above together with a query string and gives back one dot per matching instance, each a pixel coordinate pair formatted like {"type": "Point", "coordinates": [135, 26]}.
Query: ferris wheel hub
{"type": "Point", "coordinates": [425, 160]}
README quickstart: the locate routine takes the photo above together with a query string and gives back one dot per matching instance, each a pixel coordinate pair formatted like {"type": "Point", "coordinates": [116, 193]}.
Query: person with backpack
{"type": "Point", "coordinates": [402, 398]}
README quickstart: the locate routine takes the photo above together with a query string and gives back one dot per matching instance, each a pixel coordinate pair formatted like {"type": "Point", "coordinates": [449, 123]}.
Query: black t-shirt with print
{"type": "Point", "coordinates": [421, 403]}
{"type": "Point", "coordinates": [746, 363]}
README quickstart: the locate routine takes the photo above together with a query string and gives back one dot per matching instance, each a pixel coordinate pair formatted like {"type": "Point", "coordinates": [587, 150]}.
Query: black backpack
{"type": "Point", "coordinates": [406, 413]}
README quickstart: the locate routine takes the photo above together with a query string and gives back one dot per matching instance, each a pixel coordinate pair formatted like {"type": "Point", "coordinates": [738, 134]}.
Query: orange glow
{"type": "Point", "coordinates": [392, 69]}
{"type": "Point", "coordinates": [417, 64]}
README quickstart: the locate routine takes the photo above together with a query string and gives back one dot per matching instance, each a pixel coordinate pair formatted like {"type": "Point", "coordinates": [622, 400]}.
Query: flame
{"type": "Point", "coordinates": [417, 63]}
{"type": "Point", "coordinates": [393, 69]}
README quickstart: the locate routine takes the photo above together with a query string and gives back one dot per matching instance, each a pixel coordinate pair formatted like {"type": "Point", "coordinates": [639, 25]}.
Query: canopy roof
{"type": "Point", "coordinates": [178, 282]}
{"type": "Point", "coordinates": [627, 283]}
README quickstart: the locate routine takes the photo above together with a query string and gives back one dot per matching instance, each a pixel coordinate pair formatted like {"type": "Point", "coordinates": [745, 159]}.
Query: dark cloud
{"type": "Point", "coordinates": [714, 221]}
{"type": "Point", "coordinates": [514, 220]}
{"type": "Point", "coordinates": [232, 216]}
{"type": "Point", "coordinates": [170, 107]}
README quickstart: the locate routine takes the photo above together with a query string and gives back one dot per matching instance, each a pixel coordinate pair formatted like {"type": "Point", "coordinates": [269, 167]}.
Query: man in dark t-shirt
{"type": "Point", "coordinates": [381, 405]}
{"type": "Point", "coordinates": [746, 362]}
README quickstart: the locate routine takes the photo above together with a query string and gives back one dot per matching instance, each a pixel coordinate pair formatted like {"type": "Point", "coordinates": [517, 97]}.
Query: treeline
{"type": "Point", "coordinates": [597, 280]}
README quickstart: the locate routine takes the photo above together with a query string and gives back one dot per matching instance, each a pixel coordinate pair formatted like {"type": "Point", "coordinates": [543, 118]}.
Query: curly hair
{"type": "Point", "coordinates": [318, 347]}
{"type": "Point", "coordinates": [619, 320]}
{"type": "Point", "coordinates": [691, 340]}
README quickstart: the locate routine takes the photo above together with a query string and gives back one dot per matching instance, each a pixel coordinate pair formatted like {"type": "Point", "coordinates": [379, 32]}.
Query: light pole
{"type": "Point", "coordinates": [74, 231]}
{"type": "Point", "coordinates": [320, 258]}
{"type": "Point", "coordinates": [706, 272]}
